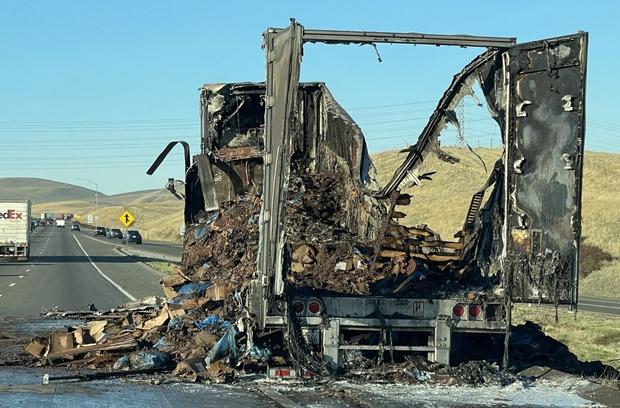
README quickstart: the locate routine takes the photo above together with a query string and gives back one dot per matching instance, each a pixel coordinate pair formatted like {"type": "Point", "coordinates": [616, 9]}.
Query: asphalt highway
{"type": "Point", "coordinates": [68, 270]}
{"type": "Point", "coordinates": [599, 305]}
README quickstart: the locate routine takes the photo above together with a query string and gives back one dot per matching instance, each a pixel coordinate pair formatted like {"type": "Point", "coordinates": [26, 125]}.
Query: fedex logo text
{"type": "Point", "coordinates": [11, 215]}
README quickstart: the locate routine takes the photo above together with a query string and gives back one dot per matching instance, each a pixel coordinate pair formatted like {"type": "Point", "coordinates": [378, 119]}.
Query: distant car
{"type": "Point", "coordinates": [132, 236]}
{"type": "Point", "coordinates": [75, 226]}
{"type": "Point", "coordinates": [100, 231]}
{"type": "Point", "coordinates": [115, 233]}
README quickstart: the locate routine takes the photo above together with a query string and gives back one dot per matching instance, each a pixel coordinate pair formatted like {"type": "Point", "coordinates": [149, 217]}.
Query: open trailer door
{"type": "Point", "coordinates": [543, 167]}
{"type": "Point", "coordinates": [283, 50]}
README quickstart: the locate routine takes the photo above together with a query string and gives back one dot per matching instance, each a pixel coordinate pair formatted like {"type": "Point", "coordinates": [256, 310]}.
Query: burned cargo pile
{"type": "Point", "coordinates": [325, 254]}
{"type": "Point", "coordinates": [223, 248]}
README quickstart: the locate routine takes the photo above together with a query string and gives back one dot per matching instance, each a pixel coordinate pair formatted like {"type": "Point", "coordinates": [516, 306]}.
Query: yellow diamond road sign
{"type": "Point", "coordinates": [127, 219]}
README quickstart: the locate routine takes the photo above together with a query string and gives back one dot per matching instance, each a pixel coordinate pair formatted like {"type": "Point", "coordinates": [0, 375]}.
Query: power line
{"type": "Point", "coordinates": [392, 105]}
{"type": "Point", "coordinates": [70, 166]}
{"type": "Point", "coordinates": [100, 130]}
{"type": "Point", "coordinates": [98, 121]}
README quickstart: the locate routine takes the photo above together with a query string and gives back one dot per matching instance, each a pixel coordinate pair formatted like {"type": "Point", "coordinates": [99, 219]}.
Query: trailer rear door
{"type": "Point", "coordinates": [544, 161]}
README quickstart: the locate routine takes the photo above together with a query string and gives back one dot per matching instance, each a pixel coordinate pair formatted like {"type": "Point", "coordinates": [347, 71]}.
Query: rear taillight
{"type": "Point", "coordinates": [298, 307]}
{"type": "Point", "coordinates": [458, 310]}
{"type": "Point", "coordinates": [314, 307]}
{"type": "Point", "coordinates": [474, 311]}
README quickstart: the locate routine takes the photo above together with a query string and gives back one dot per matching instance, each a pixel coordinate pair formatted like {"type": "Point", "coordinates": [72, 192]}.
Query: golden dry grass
{"type": "Point", "coordinates": [443, 202]}
{"type": "Point", "coordinates": [163, 266]}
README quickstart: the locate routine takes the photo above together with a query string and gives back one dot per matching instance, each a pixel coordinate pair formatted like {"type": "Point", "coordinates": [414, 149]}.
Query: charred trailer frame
{"type": "Point", "coordinates": [526, 235]}
{"type": "Point", "coordinates": [537, 92]}
{"type": "Point", "coordinates": [327, 139]}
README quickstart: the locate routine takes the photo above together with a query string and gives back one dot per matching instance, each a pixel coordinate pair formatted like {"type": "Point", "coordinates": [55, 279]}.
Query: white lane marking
{"type": "Point", "coordinates": [27, 270]}
{"type": "Point", "coordinates": [21, 276]}
{"type": "Point", "coordinates": [116, 285]}
{"type": "Point", "coordinates": [11, 284]}
{"type": "Point", "coordinates": [31, 265]}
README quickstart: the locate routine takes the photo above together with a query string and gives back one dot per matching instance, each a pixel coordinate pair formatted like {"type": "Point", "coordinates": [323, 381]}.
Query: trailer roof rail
{"type": "Point", "coordinates": [372, 37]}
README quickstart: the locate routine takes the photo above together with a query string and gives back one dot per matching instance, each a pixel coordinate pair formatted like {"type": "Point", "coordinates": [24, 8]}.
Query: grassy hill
{"type": "Point", "coordinates": [443, 202]}
{"type": "Point", "coordinates": [44, 191]}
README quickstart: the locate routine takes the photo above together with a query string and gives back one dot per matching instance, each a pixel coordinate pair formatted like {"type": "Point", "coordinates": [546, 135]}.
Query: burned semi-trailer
{"type": "Point", "coordinates": [283, 208]}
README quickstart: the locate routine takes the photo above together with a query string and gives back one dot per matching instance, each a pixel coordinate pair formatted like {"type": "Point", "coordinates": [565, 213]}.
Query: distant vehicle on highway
{"type": "Point", "coordinates": [115, 233]}
{"type": "Point", "coordinates": [100, 231]}
{"type": "Point", "coordinates": [15, 229]}
{"type": "Point", "coordinates": [60, 223]}
{"type": "Point", "coordinates": [132, 236]}
{"type": "Point", "coordinates": [75, 226]}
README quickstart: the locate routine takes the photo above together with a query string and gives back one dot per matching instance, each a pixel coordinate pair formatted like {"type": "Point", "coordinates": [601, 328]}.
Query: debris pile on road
{"type": "Point", "coordinates": [187, 333]}
{"type": "Point", "coordinates": [416, 369]}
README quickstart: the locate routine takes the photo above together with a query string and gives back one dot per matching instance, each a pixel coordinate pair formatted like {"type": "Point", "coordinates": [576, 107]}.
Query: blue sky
{"type": "Point", "coordinates": [95, 89]}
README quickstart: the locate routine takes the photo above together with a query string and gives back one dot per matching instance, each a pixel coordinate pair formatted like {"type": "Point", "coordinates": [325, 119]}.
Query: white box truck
{"type": "Point", "coordinates": [15, 229]}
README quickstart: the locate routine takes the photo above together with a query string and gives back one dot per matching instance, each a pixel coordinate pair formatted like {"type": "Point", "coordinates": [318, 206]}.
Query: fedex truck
{"type": "Point", "coordinates": [15, 229]}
